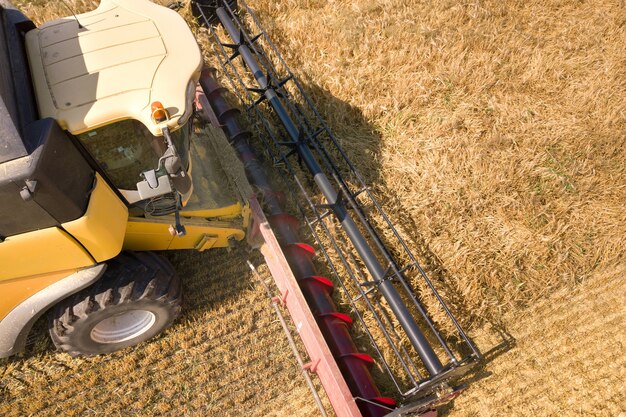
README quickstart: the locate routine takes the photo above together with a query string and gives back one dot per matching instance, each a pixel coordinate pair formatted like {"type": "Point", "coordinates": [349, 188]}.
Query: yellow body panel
{"type": "Point", "coordinates": [101, 229]}
{"type": "Point", "coordinates": [15, 291]}
{"type": "Point", "coordinates": [145, 235]}
{"type": "Point", "coordinates": [153, 234]}
{"type": "Point", "coordinates": [202, 237]}
{"type": "Point", "coordinates": [226, 213]}
{"type": "Point", "coordinates": [40, 252]}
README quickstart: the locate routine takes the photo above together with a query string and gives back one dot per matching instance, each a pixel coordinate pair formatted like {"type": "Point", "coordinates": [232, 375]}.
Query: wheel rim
{"type": "Point", "coordinates": [123, 326]}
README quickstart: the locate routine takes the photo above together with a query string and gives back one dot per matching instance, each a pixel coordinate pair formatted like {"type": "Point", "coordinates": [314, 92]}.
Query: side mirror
{"type": "Point", "coordinates": [172, 164]}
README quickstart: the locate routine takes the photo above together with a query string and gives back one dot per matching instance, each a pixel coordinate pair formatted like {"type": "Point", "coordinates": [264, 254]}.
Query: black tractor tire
{"type": "Point", "coordinates": [138, 296]}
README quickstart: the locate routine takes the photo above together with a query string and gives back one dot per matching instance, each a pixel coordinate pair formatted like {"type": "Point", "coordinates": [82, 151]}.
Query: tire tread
{"type": "Point", "coordinates": [130, 277]}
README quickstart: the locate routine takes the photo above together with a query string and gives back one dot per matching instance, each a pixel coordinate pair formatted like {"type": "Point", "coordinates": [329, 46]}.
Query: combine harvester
{"type": "Point", "coordinates": [115, 138]}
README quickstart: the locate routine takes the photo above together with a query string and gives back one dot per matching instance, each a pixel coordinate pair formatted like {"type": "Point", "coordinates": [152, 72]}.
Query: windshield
{"type": "Point", "coordinates": [124, 150]}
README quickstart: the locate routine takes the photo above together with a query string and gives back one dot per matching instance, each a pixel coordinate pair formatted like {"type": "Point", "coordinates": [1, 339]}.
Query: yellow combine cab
{"type": "Point", "coordinates": [108, 157]}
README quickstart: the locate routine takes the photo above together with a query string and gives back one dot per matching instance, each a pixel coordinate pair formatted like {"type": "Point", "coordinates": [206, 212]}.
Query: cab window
{"type": "Point", "coordinates": [124, 150]}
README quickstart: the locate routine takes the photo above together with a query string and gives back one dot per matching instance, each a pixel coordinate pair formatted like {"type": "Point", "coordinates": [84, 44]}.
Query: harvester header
{"type": "Point", "coordinates": [294, 134]}
{"type": "Point", "coordinates": [117, 141]}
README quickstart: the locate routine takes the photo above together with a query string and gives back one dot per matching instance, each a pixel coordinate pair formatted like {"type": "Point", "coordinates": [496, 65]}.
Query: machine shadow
{"type": "Point", "coordinates": [363, 143]}
{"type": "Point", "coordinates": [211, 278]}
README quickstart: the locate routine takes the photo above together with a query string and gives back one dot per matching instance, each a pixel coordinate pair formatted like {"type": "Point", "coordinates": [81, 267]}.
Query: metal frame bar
{"type": "Point", "coordinates": [366, 252]}
{"type": "Point", "coordinates": [323, 363]}
{"type": "Point", "coordinates": [310, 136]}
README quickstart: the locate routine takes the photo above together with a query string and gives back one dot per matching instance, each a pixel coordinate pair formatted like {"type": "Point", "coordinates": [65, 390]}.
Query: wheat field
{"type": "Point", "coordinates": [494, 134]}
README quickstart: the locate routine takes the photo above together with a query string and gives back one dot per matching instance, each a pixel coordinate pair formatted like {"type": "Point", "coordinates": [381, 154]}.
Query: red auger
{"type": "Point", "coordinates": [335, 326]}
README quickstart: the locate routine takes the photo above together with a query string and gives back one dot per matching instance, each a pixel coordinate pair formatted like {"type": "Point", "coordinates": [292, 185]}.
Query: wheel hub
{"type": "Point", "coordinates": [123, 326]}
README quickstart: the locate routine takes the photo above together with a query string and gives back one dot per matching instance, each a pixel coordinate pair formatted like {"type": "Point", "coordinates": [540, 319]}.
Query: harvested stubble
{"type": "Point", "coordinates": [494, 134]}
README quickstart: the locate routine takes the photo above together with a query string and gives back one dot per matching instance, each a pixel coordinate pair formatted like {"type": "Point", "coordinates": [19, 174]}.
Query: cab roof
{"type": "Point", "coordinates": [123, 56]}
